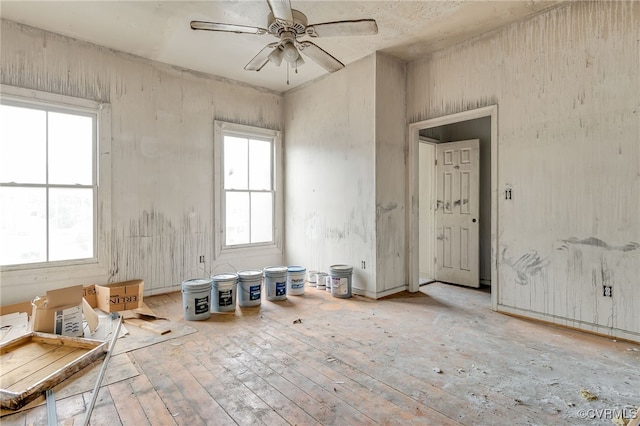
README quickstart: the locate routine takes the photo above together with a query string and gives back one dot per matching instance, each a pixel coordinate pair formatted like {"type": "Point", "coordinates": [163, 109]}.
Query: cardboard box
{"type": "Point", "coordinates": [89, 294]}
{"type": "Point", "coordinates": [16, 307]}
{"type": "Point", "coordinates": [59, 312]}
{"type": "Point", "coordinates": [120, 296]}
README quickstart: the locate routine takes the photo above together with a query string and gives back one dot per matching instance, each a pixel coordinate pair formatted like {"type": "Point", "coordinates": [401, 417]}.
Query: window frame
{"type": "Point", "coordinates": [101, 177]}
{"type": "Point", "coordinates": [222, 128]}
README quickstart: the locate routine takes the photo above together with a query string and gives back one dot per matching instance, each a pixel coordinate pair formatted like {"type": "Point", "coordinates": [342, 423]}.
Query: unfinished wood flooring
{"type": "Point", "coordinates": [436, 357]}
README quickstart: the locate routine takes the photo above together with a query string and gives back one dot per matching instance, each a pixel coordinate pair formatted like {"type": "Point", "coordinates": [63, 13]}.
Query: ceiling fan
{"type": "Point", "coordinates": [288, 25]}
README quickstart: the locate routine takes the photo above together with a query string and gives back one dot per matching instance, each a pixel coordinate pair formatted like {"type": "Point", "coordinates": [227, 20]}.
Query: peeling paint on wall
{"type": "Point", "coordinates": [526, 266]}
{"type": "Point", "coordinates": [161, 151]}
{"type": "Point", "coordinates": [596, 242]}
{"type": "Point", "coordinates": [383, 209]}
{"type": "Point", "coordinates": [566, 86]}
{"type": "Point", "coordinates": [329, 179]}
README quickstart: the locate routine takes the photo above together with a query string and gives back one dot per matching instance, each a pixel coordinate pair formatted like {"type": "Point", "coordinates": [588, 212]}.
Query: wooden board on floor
{"type": "Point", "coordinates": [152, 326]}
{"type": "Point", "coordinates": [36, 362]}
{"type": "Point", "coordinates": [120, 368]}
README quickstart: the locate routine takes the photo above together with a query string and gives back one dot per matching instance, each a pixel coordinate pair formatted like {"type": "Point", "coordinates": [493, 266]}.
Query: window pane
{"type": "Point", "coordinates": [23, 226]}
{"type": "Point", "coordinates": [259, 165]}
{"type": "Point", "coordinates": [70, 223]}
{"type": "Point", "coordinates": [70, 149]}
{"type": "Point", "coordinates": [235, 163]}
{"type": "Point", "coordinates": [22, 145]}
{"type": "Point", "coordinates": [261, 217]}
{"type": "Point", "coordinates": [237, 218]}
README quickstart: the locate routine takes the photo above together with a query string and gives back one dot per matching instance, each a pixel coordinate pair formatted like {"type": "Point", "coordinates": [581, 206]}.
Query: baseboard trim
{"type": "Point", "coordinates": [378, 295]}
{"type": "Point", "coordinates": [608, 332]}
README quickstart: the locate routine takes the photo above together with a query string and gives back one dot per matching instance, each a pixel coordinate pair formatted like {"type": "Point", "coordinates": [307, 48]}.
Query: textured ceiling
{"type": "Point", "coordinates": [159, 30]}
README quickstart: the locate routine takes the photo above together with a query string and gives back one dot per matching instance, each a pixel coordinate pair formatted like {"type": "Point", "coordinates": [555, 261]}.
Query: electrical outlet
{"type": "Point", "coordinates": [201, 260]}
{"type": "Point", "coordinates": [364, 264]}
{"type": "Point", "coordinates": [607, 291]}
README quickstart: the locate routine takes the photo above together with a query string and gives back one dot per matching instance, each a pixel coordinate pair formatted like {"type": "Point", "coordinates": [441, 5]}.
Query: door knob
{"type": "Point", "coordinates": [473, 220]}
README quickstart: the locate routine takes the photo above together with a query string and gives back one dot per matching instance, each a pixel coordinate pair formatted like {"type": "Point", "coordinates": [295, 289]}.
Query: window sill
{"type": "Point", "coordinates": [71, 273]}
{"type": "Point", "coordinates": [47, 266]}
{"type": "Point", "coordinates": [229, 253]}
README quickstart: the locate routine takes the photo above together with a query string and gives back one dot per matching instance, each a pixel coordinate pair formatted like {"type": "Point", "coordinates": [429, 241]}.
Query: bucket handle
{"type": "Point", "coordinates": [222, 264]}
{"type": "Point", "coordinates": [207, 274]}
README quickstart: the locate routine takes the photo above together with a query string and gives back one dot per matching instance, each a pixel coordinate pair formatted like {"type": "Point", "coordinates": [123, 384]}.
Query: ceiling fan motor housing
{"type": "Point", "coordinates": [277, 26]}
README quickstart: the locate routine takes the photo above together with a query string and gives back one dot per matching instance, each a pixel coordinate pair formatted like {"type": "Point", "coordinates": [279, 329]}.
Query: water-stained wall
{"type": "Point", "coordinates": [330, 173]}
{"type": "Point", "coordinates": [390, 164]}
{"type": "Point", "coordinates": [161, 155]}
{"type": "Point", "coordinates": [345, 174]}
{"type": "Point", "coordinates": [567, 87]}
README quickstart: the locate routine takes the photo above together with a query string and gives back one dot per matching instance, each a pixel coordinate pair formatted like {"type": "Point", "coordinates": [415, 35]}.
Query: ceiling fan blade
{"type": "Point", "coordinates": [261, 59]}
{"type": "Point", "coordinates": [324, 59]}
{"type": "Point", "coordinates": [281, 10]}
{"type": "Point", "coordinates": [343, 28]}
{"type": "Point", "coordinates": [227, 28]}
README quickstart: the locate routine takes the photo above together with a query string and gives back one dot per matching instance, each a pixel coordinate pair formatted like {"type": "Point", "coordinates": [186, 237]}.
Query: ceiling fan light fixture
{"type": "Point", "coordinates": [290, 53]}
{"type": "Point", "coordinates": [276, 56]}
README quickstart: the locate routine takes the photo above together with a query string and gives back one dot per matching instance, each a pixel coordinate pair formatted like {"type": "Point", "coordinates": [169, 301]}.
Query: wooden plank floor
{"type": "Point", "coordinates": [436, 357]}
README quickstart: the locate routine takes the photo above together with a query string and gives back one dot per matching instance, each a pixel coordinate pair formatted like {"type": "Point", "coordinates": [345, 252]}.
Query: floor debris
{"type": "Point", "coordinates": [619, 419]}
{"type": "Point", "coordinates": [437, 370]}
{"type": "Point", "coordinates": [298, 321]}
{"type": "Point", "coordinates": [588, 395]}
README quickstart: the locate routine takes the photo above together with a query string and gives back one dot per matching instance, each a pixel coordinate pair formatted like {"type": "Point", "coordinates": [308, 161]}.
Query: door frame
{"type": "Point", "coordinates": [431, 221]}
{"type": "Point", "coordinates": [413, 195]}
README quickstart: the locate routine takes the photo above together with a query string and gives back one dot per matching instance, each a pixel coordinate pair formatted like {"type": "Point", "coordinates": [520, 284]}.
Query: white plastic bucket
{"type": "Point", "coordinates": [223, 292]}
{"type": "Point", "coordinates": [196, 299]}
{"type": "Point", "coordinates": [327, 283]}
{"type": "Point", "coordinates": [275, 283]}
{"type": "Point", "coordinates": [249, 288]}
{"type": "Point", "coordinates": [341, 280]}
{"type": "Point", "coordinates": [295, 280]}
{"type": "Point", "coordinates": [312, 277]}
{"type": "Point", "coordinates": [321, 280]}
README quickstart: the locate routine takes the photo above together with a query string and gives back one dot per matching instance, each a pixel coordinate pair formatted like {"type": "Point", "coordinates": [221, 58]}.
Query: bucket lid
{"type": "Point", "coordinates": [196, 282]}
{"type": "Point", "coordinates": [297, 269]}
{"type": "Point", "coordinates": [341, 268]}
{"type": "Point", "coordinates": [224, 277]}
{"type": "Point", "coordinates": [275, 270]}
{"type": "Point", "coordinates": [250, 274]}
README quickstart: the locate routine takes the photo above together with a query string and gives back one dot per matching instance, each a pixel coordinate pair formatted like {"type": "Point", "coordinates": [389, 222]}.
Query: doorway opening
{"type": "Point", "coordinates": [423, 245]}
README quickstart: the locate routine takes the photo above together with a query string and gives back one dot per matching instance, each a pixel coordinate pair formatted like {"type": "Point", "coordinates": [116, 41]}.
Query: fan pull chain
{"type": "Point", "coordinates": [287, 73]}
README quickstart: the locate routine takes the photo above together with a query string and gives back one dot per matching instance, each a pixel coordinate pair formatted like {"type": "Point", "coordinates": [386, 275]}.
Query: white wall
{"type": "Point", "coordinates": [330, 173]}
{"type": "Point", "coordinates": [390, 127]}
{"type": "Point", "coordinates": [161, 155]}
{"type": "Point", "coordinates": [566, 85]}
{"type": "Point", "coordinates": [345, 174]}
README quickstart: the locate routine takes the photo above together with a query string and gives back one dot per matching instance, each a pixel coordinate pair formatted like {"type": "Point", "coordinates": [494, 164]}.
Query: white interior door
{"type": "Point", "coordinates": [457, 221]}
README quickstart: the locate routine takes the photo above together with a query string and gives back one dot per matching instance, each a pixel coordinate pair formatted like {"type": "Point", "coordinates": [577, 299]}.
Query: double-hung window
{"type": "Point", "coordinates": [48, 183]}
{"type": "Point", "coordinates": [247, 193]}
